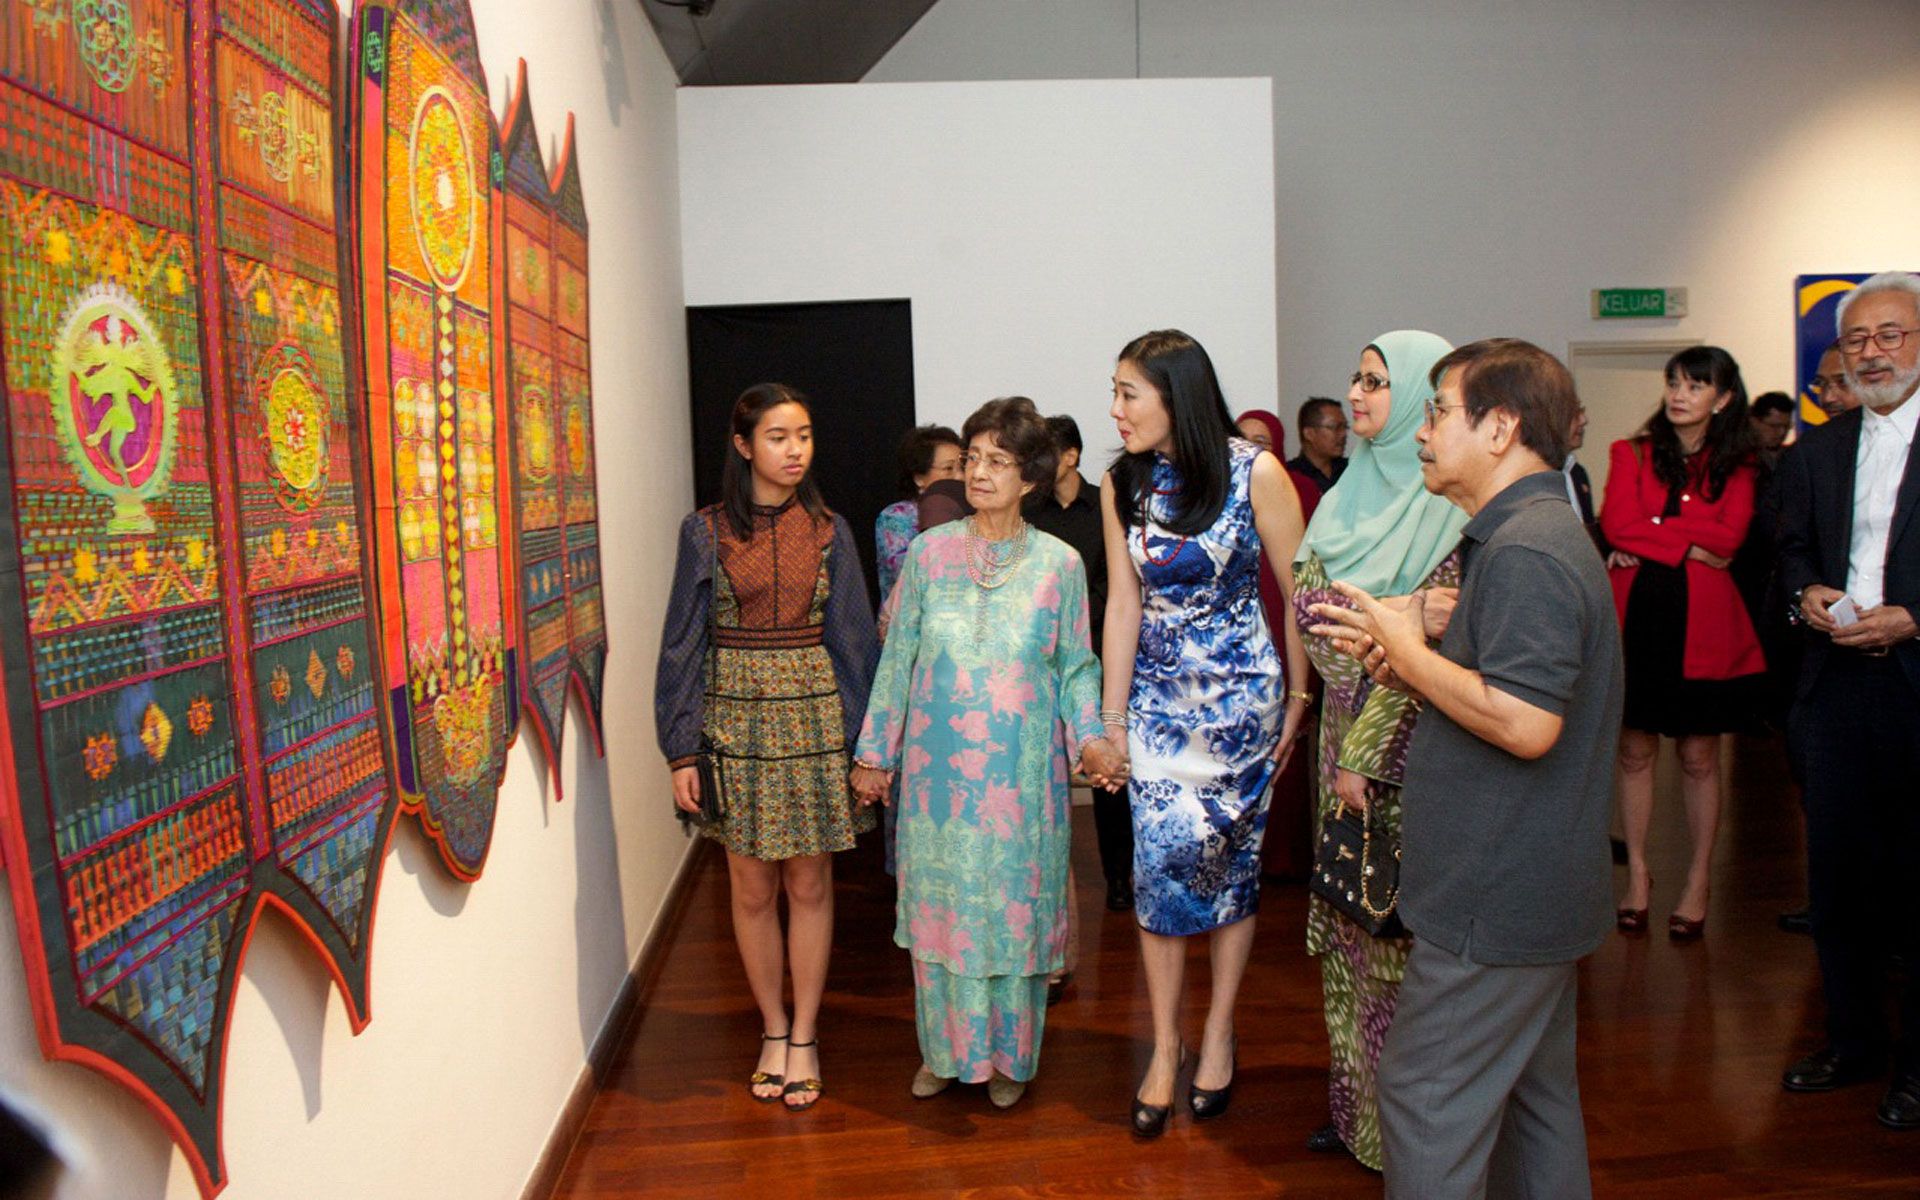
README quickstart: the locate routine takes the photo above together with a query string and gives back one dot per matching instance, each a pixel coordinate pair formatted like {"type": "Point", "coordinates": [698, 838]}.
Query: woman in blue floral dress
{"type": "Point", "coordinates": [1195, 682]}
{"type": "Point", "coordinates": [987, 690]}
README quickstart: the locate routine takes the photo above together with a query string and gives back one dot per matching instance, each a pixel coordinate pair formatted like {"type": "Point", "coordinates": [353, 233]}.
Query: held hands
{"type": "Point", "coordinates": [870, 785]}
{"type": "Point", "coordinates": [1103, 763]}
{"type": "Point", "coordinates": [1876, 629]}
{"type": "Point", "coordinates": [1813, 607]}
{"type": "Point", "coordinates": [1377, 632]}
{"type": "Point", "coordinates": [1396, 625]}
{"type": "Point", "coordinates": [686, 789]}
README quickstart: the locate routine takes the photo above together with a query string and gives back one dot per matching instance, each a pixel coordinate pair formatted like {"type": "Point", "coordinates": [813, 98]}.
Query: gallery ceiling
{"type": "Point", "coordinates": [740, 42]}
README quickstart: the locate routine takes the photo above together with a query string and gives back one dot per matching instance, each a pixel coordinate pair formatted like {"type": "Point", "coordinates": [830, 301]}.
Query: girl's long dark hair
{"type": "Point", "coordinates": [1729, 442]}
{"type": "Point", "coordinates": [736, 478]}
{"type": "Point", "coordinates": [1179, 369]}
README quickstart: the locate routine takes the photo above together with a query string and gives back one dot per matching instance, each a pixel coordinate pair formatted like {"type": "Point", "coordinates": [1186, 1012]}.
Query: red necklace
{"type": "Point", "coordinates": [1160, 562]}
{"type": "Point", "coordinates": [1146, 517]}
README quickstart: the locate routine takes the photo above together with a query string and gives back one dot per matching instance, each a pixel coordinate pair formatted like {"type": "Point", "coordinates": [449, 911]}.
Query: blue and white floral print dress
{"type": "Point", "coordinates": [1205, 712]}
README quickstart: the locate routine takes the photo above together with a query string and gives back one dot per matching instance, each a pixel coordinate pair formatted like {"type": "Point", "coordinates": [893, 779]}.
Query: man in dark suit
{"type": "Point", "coordinates": [1850, 555]}
{"type": "Point", "coordinates": [1579, 485]}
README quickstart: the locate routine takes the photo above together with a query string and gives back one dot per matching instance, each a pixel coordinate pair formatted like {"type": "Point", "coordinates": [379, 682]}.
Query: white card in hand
{"type": "Point", "coordinates": [1843, 612]}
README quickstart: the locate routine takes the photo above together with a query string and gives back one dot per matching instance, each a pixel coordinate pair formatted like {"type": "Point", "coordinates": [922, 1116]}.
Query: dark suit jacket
{"type": "Point", "coordinates": [1583, 490]}
{"type": "Point", "coordinates": [1816, 480]}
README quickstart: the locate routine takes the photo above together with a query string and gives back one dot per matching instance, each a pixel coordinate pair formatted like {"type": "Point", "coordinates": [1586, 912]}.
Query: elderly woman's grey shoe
{"type": "Point", "coordinates": [927, 1085]}
{"type": "Point", "coordinates": [1004, 1092]}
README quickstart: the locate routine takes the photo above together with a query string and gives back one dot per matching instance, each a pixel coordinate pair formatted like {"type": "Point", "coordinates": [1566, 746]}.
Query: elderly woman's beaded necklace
{"type": "Point", "coordinates": [989, 572]}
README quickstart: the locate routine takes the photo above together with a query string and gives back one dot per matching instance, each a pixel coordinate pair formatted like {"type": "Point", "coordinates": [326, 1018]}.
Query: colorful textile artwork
{"type": "Point", "coordinates": [191, 713]}
{"type": "Point", "coordinates": [426, 193]}
{"type": "Point", "coordinates": [556, 517]}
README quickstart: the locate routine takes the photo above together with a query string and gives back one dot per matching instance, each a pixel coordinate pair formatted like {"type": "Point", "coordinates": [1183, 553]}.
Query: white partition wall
{"type": "Point", "coordinates": [1035, 226]}
{"type": "Point", "coordinates": [1477, 168]}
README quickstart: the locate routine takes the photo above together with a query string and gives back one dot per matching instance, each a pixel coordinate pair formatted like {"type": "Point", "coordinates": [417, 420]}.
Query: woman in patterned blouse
{"type": "Point", "coordinates": [928, 453]}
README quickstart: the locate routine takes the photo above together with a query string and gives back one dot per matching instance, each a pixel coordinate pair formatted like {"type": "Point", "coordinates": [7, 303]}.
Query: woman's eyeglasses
{"type": "Point", "coordinates": [997, 463]}
{"type": "Point", "coordinates": [1368, 382]}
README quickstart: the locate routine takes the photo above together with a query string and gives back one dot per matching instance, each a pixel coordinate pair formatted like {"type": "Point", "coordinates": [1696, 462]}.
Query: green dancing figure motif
{"type": "Point", "coordinates": [115, 404]}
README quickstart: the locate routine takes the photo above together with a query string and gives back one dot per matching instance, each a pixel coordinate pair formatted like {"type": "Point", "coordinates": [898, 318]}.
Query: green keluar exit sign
{"type": "Point", "coordinates": [1639, 302]}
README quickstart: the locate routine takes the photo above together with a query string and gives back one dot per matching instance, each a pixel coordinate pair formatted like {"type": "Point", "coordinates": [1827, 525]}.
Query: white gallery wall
{"type": "Point", "coordinates": [1476, 167]}
{"type": "Point", "coordinates": [485, 996]}
{"type": "Point", "coordinates": [1035, 226]}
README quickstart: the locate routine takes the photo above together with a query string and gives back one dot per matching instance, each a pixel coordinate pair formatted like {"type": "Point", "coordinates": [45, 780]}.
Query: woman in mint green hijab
{"type": "Point", "coordinates": [1379, 528]}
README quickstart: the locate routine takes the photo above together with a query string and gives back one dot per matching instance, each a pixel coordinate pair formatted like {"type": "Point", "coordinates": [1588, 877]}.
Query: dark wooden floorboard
{"type": "Point", "coordinates": [1681, 1048]}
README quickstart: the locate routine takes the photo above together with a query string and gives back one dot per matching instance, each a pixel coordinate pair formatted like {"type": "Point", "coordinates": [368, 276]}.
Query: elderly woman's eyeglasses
{"type": "Point", "coordinates": [1886, 339]}
{"type": "Point", "coordinates": [997, 463]}
{"type": "Point", "coordinates": [1368, 382]}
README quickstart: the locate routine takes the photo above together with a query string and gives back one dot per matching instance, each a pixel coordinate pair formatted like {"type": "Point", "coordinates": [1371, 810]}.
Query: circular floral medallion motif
{"type": "Point", "coordinates": [103, 30]}
{"type": "Point", "coordinates": [115, 404]}
{"type": "Point", "coordinates": [295, 422]}
{"type": "Point", "coordinates": [441, 187]}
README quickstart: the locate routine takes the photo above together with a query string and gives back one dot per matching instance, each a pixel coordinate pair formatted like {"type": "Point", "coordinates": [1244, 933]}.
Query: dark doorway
{"type": "Point", "coordinates": [853, 359]}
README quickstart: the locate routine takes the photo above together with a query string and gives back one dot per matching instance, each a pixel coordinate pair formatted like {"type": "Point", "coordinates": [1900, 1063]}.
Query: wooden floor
{"type": "Point", "coordinates": [1681, 1048]}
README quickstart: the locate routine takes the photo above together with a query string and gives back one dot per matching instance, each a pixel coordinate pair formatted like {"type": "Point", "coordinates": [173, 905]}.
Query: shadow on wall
{"type": "Point", "coordinates": [279, 966]}
{"type": "Point", "coordinates": [613, 59]}
{"type": "Point", "coordinates": [599, 918]}
{"type": "Point", "coordinates": [418, 858]}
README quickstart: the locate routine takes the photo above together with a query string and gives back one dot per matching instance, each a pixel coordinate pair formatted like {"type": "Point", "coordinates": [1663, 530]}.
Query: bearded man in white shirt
{"type": "Point", "coordinates": [1850, 553]}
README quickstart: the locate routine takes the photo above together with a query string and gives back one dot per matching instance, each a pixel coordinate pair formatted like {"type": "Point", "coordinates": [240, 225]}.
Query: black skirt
{"type": "Point", "coordinates": [1660, 699]}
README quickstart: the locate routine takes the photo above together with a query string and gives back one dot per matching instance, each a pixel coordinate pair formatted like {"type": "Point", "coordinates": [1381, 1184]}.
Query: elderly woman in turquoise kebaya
{"type": "Point", "coordinates": [987, 691]}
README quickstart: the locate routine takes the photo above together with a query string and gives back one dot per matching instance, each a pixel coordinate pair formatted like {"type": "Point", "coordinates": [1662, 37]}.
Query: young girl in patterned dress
{"type": "Point", "coordinates": [777, 692]}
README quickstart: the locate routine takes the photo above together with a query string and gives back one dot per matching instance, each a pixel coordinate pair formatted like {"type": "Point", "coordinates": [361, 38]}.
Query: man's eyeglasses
{"type": "Point", "coordinates": [1436, 410]}
{"type": "Point", "coordinates": [1886, 339]}
{"type": "Point", "coordinates": [1820, 383]}
{"type": "Point", "coordinates": [1368, 382]}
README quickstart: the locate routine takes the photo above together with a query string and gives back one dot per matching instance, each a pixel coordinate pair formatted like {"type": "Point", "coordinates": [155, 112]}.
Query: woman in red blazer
{"type": "Point", "coordinates": [1679, 498]}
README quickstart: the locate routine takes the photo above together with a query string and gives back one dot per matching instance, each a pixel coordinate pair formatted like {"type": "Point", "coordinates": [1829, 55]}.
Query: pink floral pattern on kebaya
{"type": "Point", "coordinates": [934, 929]}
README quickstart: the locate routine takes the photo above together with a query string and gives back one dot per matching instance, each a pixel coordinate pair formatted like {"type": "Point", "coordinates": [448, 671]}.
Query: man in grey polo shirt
{"type": "Point", "coordinates": [1505, 871]}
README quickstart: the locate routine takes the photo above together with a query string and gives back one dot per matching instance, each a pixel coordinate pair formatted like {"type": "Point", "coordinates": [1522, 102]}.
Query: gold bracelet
{"type": "Point", "coordinates": [1306, 697]}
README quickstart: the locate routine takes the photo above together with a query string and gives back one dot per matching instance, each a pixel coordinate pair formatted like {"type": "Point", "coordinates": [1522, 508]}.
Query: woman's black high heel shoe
{"type": "Point", "coordinates": [1208, 1103]}
{"type": "Point", "coordinates": [1150, 1120]}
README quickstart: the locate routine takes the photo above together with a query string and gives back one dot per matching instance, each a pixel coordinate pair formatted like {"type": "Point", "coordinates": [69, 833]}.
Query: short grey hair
{"type": "Point", "coordinates": [1885, 281]}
